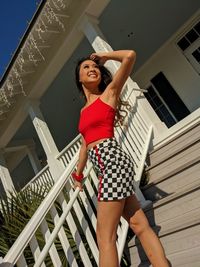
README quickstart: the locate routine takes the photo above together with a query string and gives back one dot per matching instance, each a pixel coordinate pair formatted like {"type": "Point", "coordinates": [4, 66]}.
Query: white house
{"type": "Point", "coordinates": [40, 105]}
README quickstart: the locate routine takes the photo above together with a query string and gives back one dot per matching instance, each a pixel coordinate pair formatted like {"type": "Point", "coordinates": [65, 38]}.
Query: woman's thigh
{"type": "Point", "coordinates": [133, 213]}
{"type": "Point", "coordinates": [108, 217]}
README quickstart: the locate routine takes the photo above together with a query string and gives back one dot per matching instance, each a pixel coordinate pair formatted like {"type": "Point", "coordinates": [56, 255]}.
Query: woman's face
{"type": "Point", "coordinates": [89, 74]}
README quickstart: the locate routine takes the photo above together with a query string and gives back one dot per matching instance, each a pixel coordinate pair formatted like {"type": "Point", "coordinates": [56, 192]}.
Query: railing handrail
{"type": "Point", "coordinates": [59, 224]}
{"type": "Point", "coordinates": [68, 146]}
{"type": "Point", "coordinates": [31, 227]}
{"type": "Point", "coordinates": [139, 89]}
{"type": "Point", "coordinates": [145, 151]}
{"type": "Point", "coordinates": [43, 170]}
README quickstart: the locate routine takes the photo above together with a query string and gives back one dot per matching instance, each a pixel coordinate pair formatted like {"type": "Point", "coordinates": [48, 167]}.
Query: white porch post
{"type": "Point", "coordinates": [89, 26]}
{"type": "Point", "coordinates": [46, 138]}
{"type": "Point", "coordinates": [5, 175]}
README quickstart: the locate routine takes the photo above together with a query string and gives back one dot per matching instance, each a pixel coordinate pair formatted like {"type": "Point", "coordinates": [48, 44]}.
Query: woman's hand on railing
{"type": "Point", "coordinates": [77, 180]}
{"type": "Point", "coordinates": [78, 184]}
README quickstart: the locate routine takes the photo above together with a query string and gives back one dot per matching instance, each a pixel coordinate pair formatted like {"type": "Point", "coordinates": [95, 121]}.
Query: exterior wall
{"type": "Point", "coordinates": [58, 106]}
{"type": "Point", "coordinates": [177, 70]}
{"type": "Point", "coordinates": [22, 174]}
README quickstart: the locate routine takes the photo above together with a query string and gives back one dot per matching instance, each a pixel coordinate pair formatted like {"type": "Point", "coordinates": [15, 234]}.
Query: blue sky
{"type": "Point", "coordinates": [13, 23]}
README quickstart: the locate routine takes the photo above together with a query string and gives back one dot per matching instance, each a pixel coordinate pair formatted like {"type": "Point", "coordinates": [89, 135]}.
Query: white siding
{"type": "Point", "coordinates": [177, 70]}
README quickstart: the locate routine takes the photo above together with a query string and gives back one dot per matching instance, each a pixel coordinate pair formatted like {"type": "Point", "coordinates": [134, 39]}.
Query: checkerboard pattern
{"type": "Point", "coordinates": [115, 170]}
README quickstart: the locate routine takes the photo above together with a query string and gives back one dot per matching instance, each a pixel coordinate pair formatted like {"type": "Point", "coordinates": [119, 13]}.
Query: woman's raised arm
{"type": "Point", "coordinates": [127, 59]}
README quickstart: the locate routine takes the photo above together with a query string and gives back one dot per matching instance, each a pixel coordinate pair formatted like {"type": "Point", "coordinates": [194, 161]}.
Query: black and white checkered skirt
{"type": "Point", "coordinates": [114, 168]}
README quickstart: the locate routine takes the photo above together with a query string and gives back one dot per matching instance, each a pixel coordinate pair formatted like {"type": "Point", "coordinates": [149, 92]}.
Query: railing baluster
{"type": "Point", "coordinates": [63, 239]}
{"type": "Point", "coordinates": [35, 249]}
{"type": "Point", "coordinates": [85, 226]}
{"type": "Point", "coordinates": [76, 235]}
{"type": "Point", "coordinates": [91, 191]}
{"type": "Point", "coordinates": [52, 251]}
{"type": "Point", "coordinates": [22, 261]}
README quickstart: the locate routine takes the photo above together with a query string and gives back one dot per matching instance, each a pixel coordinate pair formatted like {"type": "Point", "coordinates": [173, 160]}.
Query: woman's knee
{"type": "Point", "coordinates": [139, 226]}
{"type": "Point", "coordinates": [104, 239]}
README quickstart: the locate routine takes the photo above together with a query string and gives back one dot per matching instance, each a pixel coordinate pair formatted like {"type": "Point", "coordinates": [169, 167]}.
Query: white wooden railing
{"type": "Point", "coordinates": [43, 177]}
{"type": "Point", "coordinates": [66, 155]}
{"type": "Point", "coordinates": [73, 214]}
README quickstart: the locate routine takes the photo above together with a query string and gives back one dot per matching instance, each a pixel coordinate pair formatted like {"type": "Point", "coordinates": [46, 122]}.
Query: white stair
{"type": "Point", "coordinates": [174, 189]}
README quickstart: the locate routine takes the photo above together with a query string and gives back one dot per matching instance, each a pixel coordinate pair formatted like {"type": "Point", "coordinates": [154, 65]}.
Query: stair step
{"type": "Point", "coordinates": [173, 218]}
{"type": "Point", "coordinates": [174, 189]}
{"type": "Point", "coordinates": [175, 164]}
{"type": "Point", "coordinates": [186, 240]}
{"type": "Point", "coordinates": [188, 258]}
{"type": "Point", "coordinates": [180, 142]}
{"type": "Point", "coordinates": [176, 212]}
{"type": "Point", "coordinates": [173, 181]}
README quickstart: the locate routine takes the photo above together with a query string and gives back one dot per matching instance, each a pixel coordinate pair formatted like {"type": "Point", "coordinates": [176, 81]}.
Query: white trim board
{"type": "Point", "coordinates": [177, 129]}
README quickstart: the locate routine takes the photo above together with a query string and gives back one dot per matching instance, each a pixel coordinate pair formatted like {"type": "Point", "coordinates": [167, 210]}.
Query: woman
{"type": "Point", "coordinates": [116, 196]}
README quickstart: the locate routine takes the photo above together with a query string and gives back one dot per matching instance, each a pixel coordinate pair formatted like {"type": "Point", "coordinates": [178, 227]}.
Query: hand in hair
{"type": "Point", "coordinates": [99, 57]}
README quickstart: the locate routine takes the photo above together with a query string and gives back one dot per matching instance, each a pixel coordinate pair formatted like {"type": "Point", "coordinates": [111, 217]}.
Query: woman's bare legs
{"type": "Point", "coordinates": [149, 240]}
{"type": "Point", "coordinates": [108, 216]}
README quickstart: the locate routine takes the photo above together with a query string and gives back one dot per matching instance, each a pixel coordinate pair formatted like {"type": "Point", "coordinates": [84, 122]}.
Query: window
{"type": "Point", "coordinates": [196, 54]}
{"type": "Point", "coordinates": [159, 106]}
{"type": "Point", "coordinates": [189, 44]}
{"type": "Point", "coordinates": [165, 101]}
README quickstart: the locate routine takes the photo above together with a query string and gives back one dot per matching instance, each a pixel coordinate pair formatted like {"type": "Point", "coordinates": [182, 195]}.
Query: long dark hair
{"type": "Point", "coordinates": [106, 78]}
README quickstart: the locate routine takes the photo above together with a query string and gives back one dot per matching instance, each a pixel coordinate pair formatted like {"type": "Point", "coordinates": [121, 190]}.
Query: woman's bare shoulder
{"type": "Point", "coordinates": [109, 99]}
{"type": "Point", "coordinates": [83, 108]}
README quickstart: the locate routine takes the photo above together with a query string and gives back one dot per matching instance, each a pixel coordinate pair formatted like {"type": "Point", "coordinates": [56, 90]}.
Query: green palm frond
{"type": "Point", "coordinates": [15, 212]}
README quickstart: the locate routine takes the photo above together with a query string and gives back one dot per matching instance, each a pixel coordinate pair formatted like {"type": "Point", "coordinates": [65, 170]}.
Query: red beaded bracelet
{"type": "Point", "coordinates": [77, 177]}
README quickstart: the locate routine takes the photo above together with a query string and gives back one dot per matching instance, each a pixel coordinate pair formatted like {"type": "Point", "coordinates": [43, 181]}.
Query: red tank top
{"type": "Point", "coordinates": [97, 121]}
